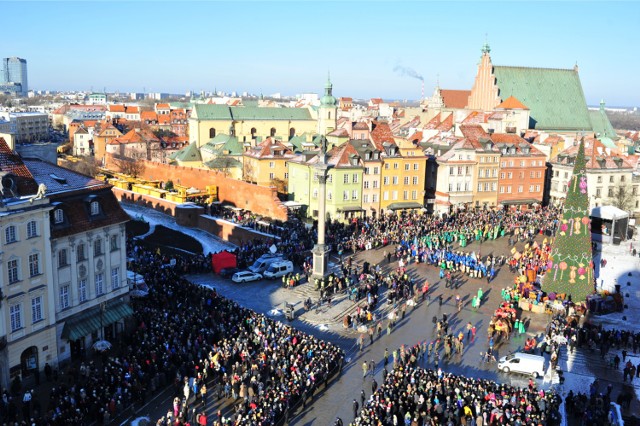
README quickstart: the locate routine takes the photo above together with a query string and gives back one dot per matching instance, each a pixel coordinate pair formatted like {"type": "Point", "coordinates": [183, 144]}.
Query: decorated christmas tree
{"type": "Point", "coordinates": [570, 268]}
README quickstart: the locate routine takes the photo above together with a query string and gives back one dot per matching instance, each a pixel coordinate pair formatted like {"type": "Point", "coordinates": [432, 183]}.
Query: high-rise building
{"type": "Point", "coordinates": [14, 70]}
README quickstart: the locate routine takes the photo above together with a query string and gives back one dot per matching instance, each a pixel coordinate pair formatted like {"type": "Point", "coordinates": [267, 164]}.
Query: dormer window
{"type": "Point", "coordinates": [95, 208]}
{"type": "Point", "coordinates": [58, 216]}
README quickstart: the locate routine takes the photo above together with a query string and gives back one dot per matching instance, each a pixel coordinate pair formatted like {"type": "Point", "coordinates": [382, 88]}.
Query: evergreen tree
{"type": "Point", "coordinates": [571, 264]}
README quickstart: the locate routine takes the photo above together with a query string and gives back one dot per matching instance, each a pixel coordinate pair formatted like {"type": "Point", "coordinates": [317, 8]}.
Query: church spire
{"type": "Point", "coordinates": [485, 47]}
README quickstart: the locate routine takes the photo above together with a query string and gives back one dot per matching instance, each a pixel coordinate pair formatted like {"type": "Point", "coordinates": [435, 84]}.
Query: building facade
{"type": "Point", "coordinates": [14, 70]}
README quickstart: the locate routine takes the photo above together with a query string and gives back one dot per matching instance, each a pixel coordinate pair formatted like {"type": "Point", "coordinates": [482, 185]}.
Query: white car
{"type": "Point", "coordinates": [244, 276]}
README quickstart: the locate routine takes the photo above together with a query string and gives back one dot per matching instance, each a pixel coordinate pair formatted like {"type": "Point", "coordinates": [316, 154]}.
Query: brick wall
{"type": "Point", "coordinates": [261, 200]}
{"type": "Point", "coordinates": [159, 204]}
{"type": "Point", "coordinates": [229, 231]}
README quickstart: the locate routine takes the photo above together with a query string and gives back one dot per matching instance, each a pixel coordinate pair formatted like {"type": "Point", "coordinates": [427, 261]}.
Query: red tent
{"type": "Point", "coordinates": [224, 259]}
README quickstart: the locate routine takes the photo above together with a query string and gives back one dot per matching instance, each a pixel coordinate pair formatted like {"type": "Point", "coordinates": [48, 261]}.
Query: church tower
{"type": "Point", "coordinates": [484, 94]}
{"type": "Point", "coordinates": [328, 110]}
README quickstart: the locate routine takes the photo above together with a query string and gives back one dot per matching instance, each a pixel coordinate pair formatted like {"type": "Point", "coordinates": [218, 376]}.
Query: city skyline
{"type": "Point", "coordinates": [286, 47]}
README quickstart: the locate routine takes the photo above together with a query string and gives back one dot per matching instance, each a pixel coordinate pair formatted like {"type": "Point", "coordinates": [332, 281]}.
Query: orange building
{"type": "Point", "coordinates": [522, 171]}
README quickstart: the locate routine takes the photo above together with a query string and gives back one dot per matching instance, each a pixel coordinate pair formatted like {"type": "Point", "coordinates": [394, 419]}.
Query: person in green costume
{"type": "Point", "coordinates": [480, 293]}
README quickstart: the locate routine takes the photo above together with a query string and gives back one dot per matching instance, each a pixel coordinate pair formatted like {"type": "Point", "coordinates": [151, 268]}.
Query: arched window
{"type": "Point", "coordinates": [329, 115]}
{"type": "Point", "coordinates": [253, 133]}
{"type": "Point", "coordinates": [273, 131]}
{"type": "Point", "coordinates": [212, 132]}
{"type": "Point", "coordinates": [292, 133]}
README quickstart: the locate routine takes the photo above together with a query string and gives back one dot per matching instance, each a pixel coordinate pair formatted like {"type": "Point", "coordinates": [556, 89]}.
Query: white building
{"type": "Point", "coordinates": [28, 126]}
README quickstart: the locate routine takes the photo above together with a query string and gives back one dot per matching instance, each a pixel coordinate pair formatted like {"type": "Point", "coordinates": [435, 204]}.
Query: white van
{"type": "Point", "coordinates": [261, 265]}
{"type": "Point", "coordinates": [279, 269]}
{"type": "Point", "coordinates": [519, 362]}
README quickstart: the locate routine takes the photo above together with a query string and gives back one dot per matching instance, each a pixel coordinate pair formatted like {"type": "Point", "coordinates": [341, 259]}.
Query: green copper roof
{"type": "Point", "coordinates": [222, 143]}
{"type": "Point", "coordinates": [601, 125]}
{"type": "Point", "coordinates": [554, 96]}
{"type": "Point", "coordinates": [223, 163]}
{"type": "Point", "coordinates": [190, 153]}
{"type": "Point", "coordinates": [224, 112]}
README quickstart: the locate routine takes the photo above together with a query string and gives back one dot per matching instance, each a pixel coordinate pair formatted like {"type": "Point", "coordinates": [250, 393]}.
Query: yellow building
{"type": "Point", "coordinates": [487, 157]}
{"type": "Point", "coordinates": [266, 164]}
{"type": "Point", "coordinates": [249, 124]}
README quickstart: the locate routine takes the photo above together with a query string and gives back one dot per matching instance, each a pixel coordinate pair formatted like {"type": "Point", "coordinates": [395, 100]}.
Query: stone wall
{"type": "Point", "coordinates": [229, 231]}
{"type": "Point", "coordinates": [261, 200]}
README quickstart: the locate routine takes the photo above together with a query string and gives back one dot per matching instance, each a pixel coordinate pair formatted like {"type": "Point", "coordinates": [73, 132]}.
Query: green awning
{"type": "Point", "coordinates": [88, 321]}
{"type": "Point", "coordinates": [350, 209]}
{"type": "Point", "coordinates": [406, 205]}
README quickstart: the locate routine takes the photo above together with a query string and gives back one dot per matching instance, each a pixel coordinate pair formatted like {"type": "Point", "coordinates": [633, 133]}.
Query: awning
{"type": "Point", "coordinates": [292, 204]}
{"type": "Point", "coordinates": [518, 202]}
{"type": "Point", "coordinates": [88, 321]}
{"type": "Point", "coordinates": [350, 209]}
{"type": "Point", "coordinates": [406, 205]}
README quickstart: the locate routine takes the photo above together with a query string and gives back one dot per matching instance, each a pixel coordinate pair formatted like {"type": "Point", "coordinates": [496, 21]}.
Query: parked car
{"type": "Point", "coordinates": [228, 272]}
{"type": "Point", "coordinates": [519, 362]}
{"type": "Point", "coordinates": [279, 269]}
{"type": "Point", "coordinates": [244, 276]}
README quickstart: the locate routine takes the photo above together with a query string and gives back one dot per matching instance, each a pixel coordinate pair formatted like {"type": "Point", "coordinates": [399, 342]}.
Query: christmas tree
{"type": "Point", "coordinates": [570, 268]}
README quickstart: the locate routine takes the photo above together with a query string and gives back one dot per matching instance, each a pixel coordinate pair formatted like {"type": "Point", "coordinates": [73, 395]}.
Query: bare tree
{"type": "Point", "coordinates": [623, 198]}
{"type": "Point", "coordinates": [224, 164]}
{"type": "Point", "coordinates": [280, 185]}
{"type": "Point", "coordinates": [133, 168]}
{"type": "Point", "coordinates": [85, 165]}
{"type": "Point", "coordinates": [248, 172]}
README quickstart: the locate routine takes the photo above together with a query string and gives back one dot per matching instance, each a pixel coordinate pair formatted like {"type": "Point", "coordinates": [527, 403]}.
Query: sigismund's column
{"type": "Point", "coordinates": [320, 251]}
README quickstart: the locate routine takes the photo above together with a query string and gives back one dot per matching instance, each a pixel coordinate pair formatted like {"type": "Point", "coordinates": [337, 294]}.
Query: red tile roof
{"type": "Point", "coordinates": [473, 131]}
{"type": "Point", "coordinates": [476, 117]}
{"type": "Point", "coordinates": [360, 126]}
{"type": "Point", "coordinates": [132, 110]}
{"type": "Point", "coordinates": [265, 149]}
{"type": "Point", "coordinates": [455, 98]}
{"type": "Point", "coordinates": [376, 101]}
{"type": "Point", "coordinates": [164, 119]}
{"type": "Point", "coordinates": [163, 106]}
{"type": "Point", "coordinates": [116, 108]}
{"type": "Point", "coordinates": [433, 123]}
{"type": "Point", "coordinates": [511, 103]}
{"type": "Point", "coordinates": [380, 134]}
{"type": "Point", "coordinates": [340, 156]}
{"type": "Point", "coordinates": [11, 162]}
{"type": "Point", "coordinates": [148, 115]}
{"type": "Point", "coordinates": [446, 124]}
{"type": "Point", "coordinates": [598, 156]}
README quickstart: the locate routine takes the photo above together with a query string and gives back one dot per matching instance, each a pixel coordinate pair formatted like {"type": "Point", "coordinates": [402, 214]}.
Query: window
{"type": "Point", "coordinates": [406, 180]}
{"type": "Point", "coordinates": [286, 175]}
{"type": "Point", "coordinates": [538, 174]}
{"type": "Point", "coordinates": [272, 164]}
{"type": "Point", "coordinates": [345, 195]}
{"type": "Point", "coordinates": [394, 180]}
{"type": "Point", "coordinates": [502, 175]}
{"type": "Point", "coordinates": [414, 195]}
{"type": "Point", "coordinates": [58, 216]}
{"type": "Point", "coordinates": [416, 166]}
{"type": "Point", "coordinates": [385, 196]}
{"type": "Point", "coordinates": [566, 175]}
{"type": "Point", "coordinates": [115, 278]}
{"type": "Point", "coordinates": [407, 167]}
{"type": "Point", "coordinates": [64, 297]}
{"type": "Point", "coordinates": [272, 176]}
{"type": "Point", "coordinates": [451, 171]}
{"type": "Point", "coordinates": [502, 189]}
{"type": "Point", "coordinates": [374, 198]}
{"type": "Point", "coordinates": [10, 234]}
{"type": "Point", "coordinates": [385, 180]}
{"type": "Point", "coordinates": [612, 179]}
{"type": "Point", "coordinates": [329, 195]}
{"type": "Point", "coordinates": [95, 208]}
{"type": "Point", "coordinates": [365, 198]}
{"type": "Point", "coordinates": [415, 180]}
{"type": "Point", "coordinates": [354, 194]}
{"type": "Point", "coordinates": [450, 187]}
{"type": "Point", "coordinates": [405, 195]}
{"type": "Point", "coordinates": [532, 174]}
{"type": "Point", "coordinates": [81, 252]}
{"type": "Point", "coordinates": [508, 189]}
{"type": "Point", "coordinates": [32, 230]}
{"type": "Point", "coordinates": [386, 166]}
{"type": "Point", "coordinates": [494, 187]}
{"type": "Point", "coordinates": [394, 195]}
{"type": "Point", "coordinates": [62, 258]}
{"type": "Point", "coordinates": [97, 247]}
{"type": "Point", "coordinates": [82, 290]}
{"type": "Point", "coordinates": [467, 170]}
{"type": "Point", "coordinates": [510, 175]}
{"type": "Point", "coordinates": [486, 186]}
{"type": "Point", "coordinates": [621, 178]}
{"type": "Point", "coordinates": [504, 164]}
{"type": "Point", "coordinates": [375, 170]}
{"type": "Point", "coordinates": [494, 173]}
{"type": "Point", "coordinates": [36, 309]}
{"type": "Point", "coordinates": [598, 192]}
{"type": "Point", "coordinates": [510, 163]}
{"type": "Point", "coordinates": [486, 173]}
{"type": "Point", "coordinates": [479, 187]}
{"type": "Point", "coordinates": [366, 184]}
{"type": "Point", "coordinates": [34, 264]}
{"type": "Point", "coordinates": [15, 311]}
{"type": "Point", "coordinates": [375, 184]}
{"type": "Point", "coordinates": [395, 166]}
{"type": "Point", "coordinates": [366, 170]}
{"type": "Point", "coordinates": [520, 188]}
{"type": "Point", "coordinates": [531, 188]}
{"type": "Point", "coordinates": [12, 270]}
{"type": "Point", "coordinates": [114, 242]}
{"type": "Point", "coordinates": [458, 186]}
{"type": "Point", "coordinates": [537, 188]}
{"type": "Point", "coordinates": [354, 179]}
{"type": "Point", "coordinates": [522, 163]}
{"type": "Point", "coordinates": [315, 193]}
{"type": "Point", "coordinates": [480, 172]}
{"type": "Point", "coordinates": [345, 178]}
{"type": "Point", "coordinates": [99, 284]}
{"type": "Point", "coordinates": [610, 192]}
{"type": "Point", "coordinates": [459, 170]}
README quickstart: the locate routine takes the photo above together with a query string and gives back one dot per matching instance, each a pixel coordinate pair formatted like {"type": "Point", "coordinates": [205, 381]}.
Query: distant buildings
{"type": "Point", "coordinates": [27, 126]}
{"type": "Point", "coordinates": [14, 76]}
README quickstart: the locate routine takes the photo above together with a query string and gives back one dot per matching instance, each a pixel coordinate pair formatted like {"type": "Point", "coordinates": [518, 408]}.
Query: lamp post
{"type": "Point", "coordinates": [103, 307]}
{"type": "Point", "coordinates": [320, 250]}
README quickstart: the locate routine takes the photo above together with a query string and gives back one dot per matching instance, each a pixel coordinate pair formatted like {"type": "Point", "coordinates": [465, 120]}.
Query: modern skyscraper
{"type": "Point", "coordinates": [14, 70]}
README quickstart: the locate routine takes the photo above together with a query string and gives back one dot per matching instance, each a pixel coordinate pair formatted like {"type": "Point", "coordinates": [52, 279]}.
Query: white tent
{"type": "Point", "coordinates": [608, 213]}
{"type": "Point", "coordinates": [609, 224]}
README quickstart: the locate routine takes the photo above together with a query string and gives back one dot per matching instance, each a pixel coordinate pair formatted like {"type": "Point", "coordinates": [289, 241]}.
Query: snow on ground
{"type": "Point", "coordinates": [210, 243]}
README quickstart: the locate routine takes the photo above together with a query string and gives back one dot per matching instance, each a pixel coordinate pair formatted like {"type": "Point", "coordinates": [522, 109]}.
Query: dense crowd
{"type": "Point", "coordinates": [416, 397]}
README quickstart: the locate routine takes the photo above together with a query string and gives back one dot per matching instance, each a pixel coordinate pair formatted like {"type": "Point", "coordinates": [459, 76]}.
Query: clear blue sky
{"type": "Point", "coordinates": [288, 47]}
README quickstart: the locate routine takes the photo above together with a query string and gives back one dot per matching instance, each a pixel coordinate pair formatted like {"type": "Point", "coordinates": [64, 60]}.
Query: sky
{"type": "Point", "coordinates": [288, 47]}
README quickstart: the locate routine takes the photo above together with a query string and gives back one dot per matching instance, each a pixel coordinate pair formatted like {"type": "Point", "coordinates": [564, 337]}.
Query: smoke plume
{"type": "Point", "coordinates": [407, 72]}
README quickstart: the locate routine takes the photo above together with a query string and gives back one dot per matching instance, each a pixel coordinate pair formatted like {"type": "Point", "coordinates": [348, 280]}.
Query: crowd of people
{"type": "Point", "coordinates": [415, 396]}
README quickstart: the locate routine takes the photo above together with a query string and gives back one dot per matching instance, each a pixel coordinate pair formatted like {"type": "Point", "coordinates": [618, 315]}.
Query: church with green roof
{"type": "Point", "coordinates": [554, 96]}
